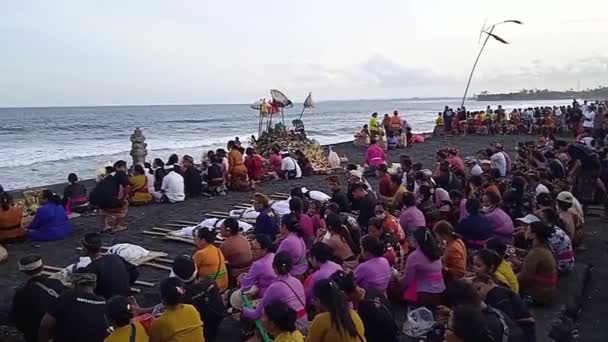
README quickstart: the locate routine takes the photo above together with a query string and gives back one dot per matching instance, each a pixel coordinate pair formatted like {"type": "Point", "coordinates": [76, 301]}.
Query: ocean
{"type": "Point", "coordinates": [42, 146]}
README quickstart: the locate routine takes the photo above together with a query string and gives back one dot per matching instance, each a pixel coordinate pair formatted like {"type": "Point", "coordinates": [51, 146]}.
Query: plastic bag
{"type": "Point", "coordinates": [333, 159]}
{"type": "Point", "coordinates": [419, 322]}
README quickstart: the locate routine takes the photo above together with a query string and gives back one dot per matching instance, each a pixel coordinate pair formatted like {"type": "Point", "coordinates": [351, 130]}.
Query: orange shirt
{"type": "Point", "coordinates": [235, 161]}
{"type": "Point", "coordinates": [211, 263]}
{"type": "Point", "coordinates": [455, 259]}
{"type": "Point", "coordinates": [493, 188]}
{"type": "Point", "coordinates": [395, 122]}
{"type": "Point", "coordinates": [11, 223]}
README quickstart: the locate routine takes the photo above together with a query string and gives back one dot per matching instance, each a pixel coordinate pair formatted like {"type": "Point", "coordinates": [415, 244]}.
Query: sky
{"type": "Point", "coordinates": [85, 52]}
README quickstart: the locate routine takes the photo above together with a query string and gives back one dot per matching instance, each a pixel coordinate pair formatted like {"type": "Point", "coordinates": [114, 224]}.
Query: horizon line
{"type": "Point", "coordinates": [224, 104]}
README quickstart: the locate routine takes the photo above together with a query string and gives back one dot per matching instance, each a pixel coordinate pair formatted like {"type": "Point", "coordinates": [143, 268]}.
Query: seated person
{"type": "Point", "coordinates": [255, 165]}
{"type": "Point", "coordinates": [32, 300]}
{"type": "Point", "coordinates": [538, 274]}
{"type": "Point", "coordinates": [114, 274]}
{"type": "Point", "coordinates": [139, 187]}
{"type": "Point", "coordinates": [216, 184]}
{"type": "Point", "coordinates": [304, 163]}
{"type": "Point", "coordinates": [372, 306]}
{"type": "Point", "coordinates": [119, 316]}
{"type": "Point", "coordinates": [51, 222]}
{"type": "Point", "coordinates": [285, 288]}
{"type": "Point", "coordinates": [375, 271]}
{"type": "Point", "coordinates": [290, 169]}
{"type": "Point", "coordinates": [78, 313]}
{"type": "Point", "coordinates": [192, 177]}
{"type": "Point", "coordinates": [75, 195]}
{"type": "Point", "coordinates": [11, 218]}
{"type": "Point", "coordinates": [281, 322]}
{"type": "Point", "coordinates": [202, 293]}
{"type": "Point", "coordinates": [209, 259]}
{"type": "Point", "coordinates": [267, 221]}
{"type": "Point", "coordinates": [235, 248]}
{"type": "Point", "coordinates": [254, 283]}
{"type": "Point", "coordinates": [320, 258]}
{"type": "Point", "coordinates": [179, 321]}
{"type": "Point", "coordinates": [172, 189]}
{"type": "Point", "coordinates": [507, 301]}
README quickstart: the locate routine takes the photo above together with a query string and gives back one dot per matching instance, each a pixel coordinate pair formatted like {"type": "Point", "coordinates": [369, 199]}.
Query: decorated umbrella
{"type": "Point", "coordinates": [307, 104]}
{"type": "Point", "coordinates": [280, 101]}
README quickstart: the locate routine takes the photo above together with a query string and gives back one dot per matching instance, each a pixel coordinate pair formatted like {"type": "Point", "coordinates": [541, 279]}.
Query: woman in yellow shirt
{"type": "Point", "coordinates": [489, 262]}
{"type": "Point", "coordinates": [280, 321]}
{"type": "Point", "coordinates": [179, 322]}
{"type": "Point", "coordinates": [119, 314]}
{"type": "Point", "coordinates": [209, 260]}
{"type": "Point", "coordinates": [337, 322]}
{"type": "Point", "coordinates": [504, 269]}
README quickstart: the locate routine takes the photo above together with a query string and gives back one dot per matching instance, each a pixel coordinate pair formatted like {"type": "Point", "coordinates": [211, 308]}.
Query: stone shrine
{"type": "Point", "coordinates": [138, 147]}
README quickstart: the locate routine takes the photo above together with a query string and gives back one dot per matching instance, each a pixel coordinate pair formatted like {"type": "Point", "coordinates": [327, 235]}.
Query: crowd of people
{"type": "Point", "coordinates": [120, 187]}
{"type": "Point", "coordinates": [589, 119]}
{"type": "Point", "coordinates": [477, 240]}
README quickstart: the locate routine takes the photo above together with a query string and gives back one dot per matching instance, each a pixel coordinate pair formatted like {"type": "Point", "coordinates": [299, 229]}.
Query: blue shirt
{"type": "Point", "coordinates": [475, 230]}
{"type": "Point", "coordinates": [266, 223]}
{"type": "Point", "coordinates": [50, 223]}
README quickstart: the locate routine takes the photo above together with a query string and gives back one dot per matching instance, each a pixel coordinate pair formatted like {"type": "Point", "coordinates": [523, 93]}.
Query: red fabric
{"type": "Point", "coordinates": [384, 185]}
{"type": "Point", "coordinates": [255, 167]}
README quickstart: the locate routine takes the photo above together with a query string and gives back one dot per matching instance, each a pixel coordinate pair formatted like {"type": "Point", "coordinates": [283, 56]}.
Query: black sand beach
{"type": "Point", "coordinates": [62, 253]}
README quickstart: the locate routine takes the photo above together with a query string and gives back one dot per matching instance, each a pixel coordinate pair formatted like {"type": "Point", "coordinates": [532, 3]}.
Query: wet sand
{"type": "Point", "coordinates": [62, 253]}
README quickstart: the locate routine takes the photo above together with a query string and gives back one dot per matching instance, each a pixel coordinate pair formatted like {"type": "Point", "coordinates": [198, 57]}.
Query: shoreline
{"type": "Point", "coordinates": [89, 183]}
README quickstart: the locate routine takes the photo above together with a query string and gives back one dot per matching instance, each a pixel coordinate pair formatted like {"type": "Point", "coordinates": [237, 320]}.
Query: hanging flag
{"type": "Point", "coordinates": [308, 102]}
{"type": "Point", "coordinates": [257, 105]}
{"type": "Point", "coordinates": [280, 100]}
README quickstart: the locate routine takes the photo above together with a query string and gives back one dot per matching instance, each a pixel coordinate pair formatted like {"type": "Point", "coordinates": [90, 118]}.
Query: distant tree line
{"type": "Point", "coordinates": [599, 93]}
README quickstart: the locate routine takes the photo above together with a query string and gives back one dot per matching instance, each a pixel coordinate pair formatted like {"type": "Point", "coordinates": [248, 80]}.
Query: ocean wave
{"type": "Point", "coordinates": [28, 157]}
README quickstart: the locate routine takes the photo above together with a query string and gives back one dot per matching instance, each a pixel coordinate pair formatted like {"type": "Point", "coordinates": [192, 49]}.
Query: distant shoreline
{"type": "Point", "coordinates": [599, 93]}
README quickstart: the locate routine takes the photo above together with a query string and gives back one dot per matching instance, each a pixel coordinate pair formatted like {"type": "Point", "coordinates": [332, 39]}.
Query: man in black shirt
{"type": "Point", "coordinates": [34, 298]}
{"type": "Point", "coordinates": [202, 293]}
{"type": "Point", "coordinates": [372, 306]}
{"type": "Point", "coordinates": [77, 315]}
{"type": "Point", "coordinates": [337, 195]}
{"type": "Point", "coordinates": [501, 326]}
{"type": "Point", "coordinates": [106, 197]}
{"type": "Point", "coordinates": [365, 204]}
{"type": "Point", "coordinates": [114, 275]}
{"type": "Point", "coordinates": [192, 178]}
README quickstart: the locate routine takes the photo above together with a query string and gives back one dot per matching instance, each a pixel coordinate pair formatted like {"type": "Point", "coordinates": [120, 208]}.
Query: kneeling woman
{"type": "Point", "coordinates": [286, 289]}
{"type": "Point", "coordinates": [538, 275]}
{"type": "Point", "coordinates": [293, 244]}
{"type": "Point", "coordinates": [179, 322]}
{"type": "Point", "coordinates": [140, 194]}
{"type": "Point", "coordinates": [375, 272]}
{"type": "Point", "coordinates": [337, 321]}
{"type": "Point", "coordinates": [423, 278]}
{"type": "Point", "coordinates": [209, 260]}
{"type": "Point", "coordinates": [51, 222]}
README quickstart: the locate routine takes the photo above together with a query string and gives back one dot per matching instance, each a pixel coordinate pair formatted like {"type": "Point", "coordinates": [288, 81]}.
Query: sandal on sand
{"type": "Point", "coordinates": [118, 229]}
